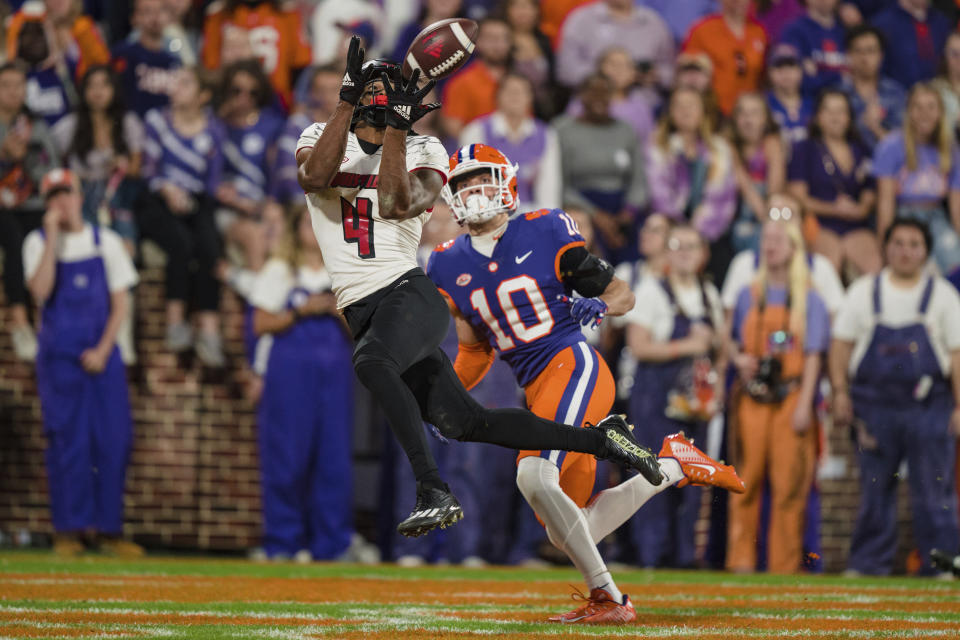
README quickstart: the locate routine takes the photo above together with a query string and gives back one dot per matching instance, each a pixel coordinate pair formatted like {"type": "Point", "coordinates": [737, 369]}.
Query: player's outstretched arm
{"type": "Point", "coordinates": [317, 166]}
{"type": "Point", "coordinates": [403, 194]}
{"type": "Point", "coordinates": [474, 353]}
{"type": "Point", "coordinates": [618, 296]}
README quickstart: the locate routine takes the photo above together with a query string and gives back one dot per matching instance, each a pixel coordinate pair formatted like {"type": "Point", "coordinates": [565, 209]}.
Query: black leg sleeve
{"type": "Point", "coordinates": [448, 406]}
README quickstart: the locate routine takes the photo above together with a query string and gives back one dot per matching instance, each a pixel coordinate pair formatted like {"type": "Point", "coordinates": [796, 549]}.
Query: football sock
{"type": "Point", "coordinates": [403, 414]}
{"type": "Point", "coordinates": [614, 506]}
{"type": "Point", "coordinates": [520, 429]}
{"type": "Point", "coordinates": [539, 482]}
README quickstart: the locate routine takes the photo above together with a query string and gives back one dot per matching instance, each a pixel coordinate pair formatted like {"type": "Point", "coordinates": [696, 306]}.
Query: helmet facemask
{"type": "Point", "coordinates": [472, 204]}
{"type": "Point", "coordinates": [375, 113]}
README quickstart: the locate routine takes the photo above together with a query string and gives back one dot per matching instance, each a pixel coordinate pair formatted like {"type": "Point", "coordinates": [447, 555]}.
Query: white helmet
{"type": "Point", "coordinates": [477, 208]}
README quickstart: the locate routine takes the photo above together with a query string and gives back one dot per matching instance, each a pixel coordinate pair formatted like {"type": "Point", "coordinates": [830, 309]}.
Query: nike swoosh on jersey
{"type": "Point", "coordinates": [703, 466]}
{"type": "Point", "coordinates": [520, 259]}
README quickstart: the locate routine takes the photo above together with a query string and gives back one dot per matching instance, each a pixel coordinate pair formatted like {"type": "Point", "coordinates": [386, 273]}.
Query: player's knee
{"type": "Point", "coordinates": [537, 479]}
{"type": "Point", "coordinates": [370, 357]}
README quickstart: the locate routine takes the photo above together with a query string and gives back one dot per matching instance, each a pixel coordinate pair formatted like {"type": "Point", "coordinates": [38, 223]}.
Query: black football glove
{"type": "Point", "coordinates": [353, 80]}
{"type": "Point", "coordinates": [403, 101]}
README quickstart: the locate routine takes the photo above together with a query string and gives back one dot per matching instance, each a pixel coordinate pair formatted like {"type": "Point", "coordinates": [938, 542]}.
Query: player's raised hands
{"type": "Point", "coordinates": [586, 311]}
{"type": "Point", "coordinates": [353, 81]}
{"type": "Point", "coordinates": [404, 98]}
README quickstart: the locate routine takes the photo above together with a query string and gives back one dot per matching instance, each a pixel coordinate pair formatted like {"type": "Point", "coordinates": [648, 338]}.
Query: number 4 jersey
{"type": "Point", "coordinates": [512, 296]}
{"type": "Point", "coordinates": [362, 251]}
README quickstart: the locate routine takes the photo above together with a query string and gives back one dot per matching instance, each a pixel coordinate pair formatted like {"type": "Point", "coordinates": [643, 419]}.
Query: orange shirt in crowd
{"type": "Point", "coordinates": [554, 12]}
{"type": "Point", "coordinates": [88, 48]}
{"type": "Point", "coordinates": [470, 93]}
{"type": "Point", "coordinates": [273, 36]}
{"type": "Point", "coordinates": [737, 63]}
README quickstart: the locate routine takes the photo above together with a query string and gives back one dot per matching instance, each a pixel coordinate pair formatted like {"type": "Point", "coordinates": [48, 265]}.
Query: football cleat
{"type": "Point", "coordinates": [945, 561]}
{"type": "Point", "coordinates": [623, 448]}
{"type": "Point", "coordinates": [599, 608]}
{"type": "Point", "coordinates": [699, 468]}
{"type": "Point", "coordinates": [435, 508]}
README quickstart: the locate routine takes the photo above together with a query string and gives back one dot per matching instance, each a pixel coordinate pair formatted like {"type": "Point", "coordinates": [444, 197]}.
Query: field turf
{"type": "Point", "coordinates": [174, 597]}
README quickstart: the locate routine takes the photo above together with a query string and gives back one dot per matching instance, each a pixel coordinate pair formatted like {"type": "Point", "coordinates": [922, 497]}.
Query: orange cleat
{"type": "Point", "coordinates": [699, 468]}
{"type": "Point", "coordinates": [599, 608]}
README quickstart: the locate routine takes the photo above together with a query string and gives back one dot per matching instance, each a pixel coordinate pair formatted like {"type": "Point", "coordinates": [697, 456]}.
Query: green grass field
{"type": "Point", "coordinates": [174, 597]}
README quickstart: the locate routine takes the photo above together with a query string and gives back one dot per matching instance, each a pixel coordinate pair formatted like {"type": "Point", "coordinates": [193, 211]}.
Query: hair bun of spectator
{"type": "Point", "coordinates": [441, 48]}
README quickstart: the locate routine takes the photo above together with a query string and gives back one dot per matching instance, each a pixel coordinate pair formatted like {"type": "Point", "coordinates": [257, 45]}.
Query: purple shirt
{"type": "Point", "coordinates": [194, 164]}
{"type": "Point", "coordinates": [816, 337]}
{"type": "Point", "coordinates": [778, 16]}
{"type": "Point", "coordinates": [924, 184]}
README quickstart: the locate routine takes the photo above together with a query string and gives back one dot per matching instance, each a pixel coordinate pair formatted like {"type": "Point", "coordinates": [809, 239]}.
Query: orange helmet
{"type": "Point", "coordinates": [473, 205]}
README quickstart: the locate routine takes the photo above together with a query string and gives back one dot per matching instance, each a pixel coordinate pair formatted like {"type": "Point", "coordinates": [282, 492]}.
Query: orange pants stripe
{"type": "Point", "coordinates": [574, 388]}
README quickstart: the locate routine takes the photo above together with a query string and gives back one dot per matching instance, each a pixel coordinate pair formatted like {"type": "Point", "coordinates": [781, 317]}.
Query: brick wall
{"type": "Point", "coordinates": [193, 480]}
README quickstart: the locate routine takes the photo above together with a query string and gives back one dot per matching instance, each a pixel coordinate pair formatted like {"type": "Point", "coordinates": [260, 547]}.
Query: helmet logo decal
{"type": "Point", "coordinates": [464, 279]}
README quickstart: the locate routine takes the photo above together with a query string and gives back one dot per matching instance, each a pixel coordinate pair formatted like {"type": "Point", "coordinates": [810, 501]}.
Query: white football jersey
{"type": "Point", "coordinates": [363, 252]}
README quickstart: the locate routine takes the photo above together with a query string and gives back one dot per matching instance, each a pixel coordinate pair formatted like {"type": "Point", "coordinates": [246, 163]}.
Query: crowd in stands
{"type": "Point", "coordinates": [741, 161]}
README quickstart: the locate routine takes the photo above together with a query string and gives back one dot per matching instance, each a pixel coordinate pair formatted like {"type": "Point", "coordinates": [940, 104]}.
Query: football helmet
{"type": "Point", "coordinates": [375, 113]}
{"type": "Point", "coordinates": [476, 208]}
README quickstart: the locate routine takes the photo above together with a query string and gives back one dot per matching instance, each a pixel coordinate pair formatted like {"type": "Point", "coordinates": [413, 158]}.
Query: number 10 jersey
{"type": "Point", "coordinates": [362, 251]}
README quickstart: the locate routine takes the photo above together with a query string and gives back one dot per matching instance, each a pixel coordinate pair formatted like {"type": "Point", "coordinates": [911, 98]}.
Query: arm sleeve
{"type": "Point", "coordinates": [32, 253]}
{"type": "Point", "coordinates": [473, 362]}
{"type": "Point", "coordinates": [827, 283]}
{"type": "Point", "coordinates": [948, 318]}
{"type": "Point", "coordinates": [587, 274]}
{"type": "Point", "coordinates": [309, 136]}
{"type": "Point", "coordinates": [121, 274]}
{"type": "Point", "coordinates": [888, 157]}
{"type": "Point", "coordinates": [817, 338]}
{"type": "Point", "coordinates": [426, 152]}
{"type": "Point", "coordinates": [848, 323]}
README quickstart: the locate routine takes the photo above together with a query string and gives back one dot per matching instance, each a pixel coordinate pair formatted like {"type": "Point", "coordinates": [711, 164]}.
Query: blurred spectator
{"type": "Point", "coordinates": [305, 415]}
{"type": "Point", "coordinates": [430, 11]}
{"type": "Point", "coordinates": [830, 175]}
{"type": "Point", "coordinates": [694, 71]}
{"type": "Point", "coordinates": [896, 346]}
{"type": "Point", "coordinates": [553, 13]}
{"type": "Point", "coordinates": [145, 67]}
{"type": "Point", "coordinates": [248, 217]}
{"type": "Point", "coordinates": [603, 168]}
{"type": "Point", "coordinates": [315, 104]}
{"type": "Point", "coordinates": [919, 33]}
{"type": "Point", "coordinates": [652, 241]}
{"type": "Point", "coordinates": [594, 28]}
{"type": "Point", "coordinates": [27, 153]}
{"type": "Point", "coordinates": [819, 38]}
{"type": "Point", "coordinates": [743, 269]}
{"type": "Point", "coordinates": [780, 329]}
{"type": "Point", "coordinates": [50, 86]}
{"type": "Point", "coordinates": [680, 16]}
{"type": "Point", "coordinates": [791, 109]}
{"type": "Point", "coordinates": [183, 163]}
{"type": "Point", "coordinates": [528, 142]}
{"type": "Point", "coordinates": [472, 91]}
{"type": "Point", "coordinates": [917, 170]}
{"type": "Point", "coordinates": [182, 32]}
{"type": "Point", "coordinates": [760, 166]}
{"type": "Point", "coordinates": [878, 102]}
{"type": "Point", "coordinates": [774, 15]}
{"type": "Point", "coordinates": [263, 29]}
{"type": "Point", "coordinates": [675, 337]}
{"type": "Point", "coordinates": [691, 174]}
{"type": "Point", "coordinates": [532, 54]}
{"type": "Point", "coordinates": [629, 103]}
{"type": "Point", "coordinates": [102, 143]}
{"type": "Point", "coordinates": [948, 83]}
{"type": "Point", "coordinates": [73, 37]}
{"type": "Point", "coordinates": [736, 45]}
{"type": "Point", "coordinates": [79, 275]}
{"type": "Point", "coordinates": [334, 22]}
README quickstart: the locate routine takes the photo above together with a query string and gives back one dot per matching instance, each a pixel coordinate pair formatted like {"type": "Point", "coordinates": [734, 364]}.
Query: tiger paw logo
{"type": "Point", "coordinates": [464, 279]}
{"type": "Point", "coordinates": [433, 47]}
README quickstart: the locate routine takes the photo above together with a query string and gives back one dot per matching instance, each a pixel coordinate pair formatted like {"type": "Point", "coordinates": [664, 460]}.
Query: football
{"type": "Point", "coordinates": [441, 48]}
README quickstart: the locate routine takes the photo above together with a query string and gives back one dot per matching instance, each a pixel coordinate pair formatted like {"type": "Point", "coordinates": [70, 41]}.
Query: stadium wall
{"type": "Point", "coordinates": [193, 481]}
